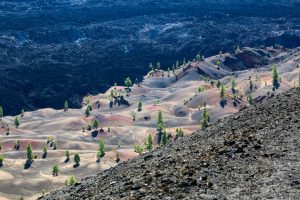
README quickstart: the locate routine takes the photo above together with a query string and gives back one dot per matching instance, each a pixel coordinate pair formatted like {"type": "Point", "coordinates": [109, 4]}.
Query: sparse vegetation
{"type": "Point", "coordinates": [250, 99]}
{"type": "Point", "coordinates": [55, 170]}
{"type": "Point", "coordinates": [140, 106]}
{"type": "Point", "coordinates": [223, 93]}
{"type": "Point", "coordinates": [1, 112]}
{"type": "Point", "coordinates": [67, 154]}
{"type": "Point", "coordinates": [275, 77]}
{"type": "Point", "coordinates": [17, 121]}
{"type": "Point", "coordinates": [138, 149]}
{"type": "Point", "coordinates": [205, 118]}
{"type": "Point", "coordinates": [66, 105]}
{"type": "Point", "coordinates": [102, 148]}
{"type": "Point", "coordinates": [149, 143]}
{"type": "Point", "coordinates": [1, 160]}
{"type": "Point", "coordinates": [87, 111]}
{"type": "Point", "coordinates": [95, 124]}
{"type": "Point", "coordinates": [29, 153]}
{"type": "Point", "coordinates": [77, 159]}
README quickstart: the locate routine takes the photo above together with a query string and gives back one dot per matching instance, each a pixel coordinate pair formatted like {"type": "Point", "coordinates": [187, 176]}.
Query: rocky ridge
{"type": "Point", "coordinates": [253, 154]}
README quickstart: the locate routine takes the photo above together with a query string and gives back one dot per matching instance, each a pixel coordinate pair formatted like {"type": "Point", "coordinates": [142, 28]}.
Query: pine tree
{"type": "Point", "coordinates": [45, 151]}
{"type": "Point", "coordinates": [1, 160]}
{"type": "Point", "coordinates": [140, 106]}
{"type": "Point", "coordinates": [66, 105]}
{"type": "Point", "coordinates": [55, 170]}
{"type": "Point", "coordinates": [205, 118]}
{"type": "Point", "coordinates": [212, 83]}
{"type": "Point", "coordinates": [95, 124]}
{"type": "Point", "coordinates": [222, 94]}
{"type": "Point", "coordinates": [275, 77]}
{"type": "Point", "coordinates": [151, 66]}
{"type": "Point", "coordinates": [198, 57]}
{"type": "Point", "coordinates": [158, 65]}
{"type": "Point", "coordinates": [67, 154]}
{"type": "Point", "coordinates": [72, 180]}
{"type": "Point", "coordinates": [168, 71]}
{"type": "Point", "coordinates": [128, 83]}
{"type": "Point", "coordinates": [160, 119]}
{"type": "Point", "coordinates": [77, 158]}
{"type": "Point", "coordinates": [117, 156]}
{"type": "Point", "coordinates": [138, 149]}
{"type": "Point", "coordinates": [17, 121]}
{"type": "Point", "coordinates": [1, 112]}
{"type": "Point", "coordinates": [87, 111]}
{"type": "Point", "coordinates": [102, 148]}
{"type": "Point", "coordinates": [149, 143]}
{"type": "Point", "coordinates": [179, 133]}
{"type": "Point", "coordinates": [29, 153]}
{"type": "Point", "coordinates": [250, 99]}
{"type": "Point", "coordinates": [233, 85]}
{"type": "Point", "coordinates": [219, 84]}
{"type": "Point", "coordinates": [219, 65]}
{"type": "Point", "coordinates": [164, 138]}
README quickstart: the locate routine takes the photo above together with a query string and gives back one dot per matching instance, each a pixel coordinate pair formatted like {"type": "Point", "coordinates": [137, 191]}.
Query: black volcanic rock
{"type": "Point", "coordinates": [51, 51]}
{"type": "Point", "coordinates": [253, 154]}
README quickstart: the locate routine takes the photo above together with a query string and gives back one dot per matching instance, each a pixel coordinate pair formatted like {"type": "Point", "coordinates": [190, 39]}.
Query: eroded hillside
{"type": "Point", "coordinates": [180, 95]}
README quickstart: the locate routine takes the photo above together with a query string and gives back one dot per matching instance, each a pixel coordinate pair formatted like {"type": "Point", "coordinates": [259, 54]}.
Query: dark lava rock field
{"type": "Point", "coordinates": [63, 49]}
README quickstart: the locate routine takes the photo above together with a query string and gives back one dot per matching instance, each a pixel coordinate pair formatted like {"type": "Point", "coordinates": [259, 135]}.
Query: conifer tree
{"type": "Point", "coordinates": [45, 151]}
{"type": "Point", "coordinates": [72, 180]}
{"type": "Point", "coordinates": [179, 133]}
{"type": "Point", "coordinates": [1, 112]}
{"type": "Point", "coordinates": [164, 138]}
{"type": "Point", "coordinates": [149, 143]}
{"type": "Point", "coordinates": [151, 66]}
{"type": "Point", "coordinates": [17, 121]}
{"type": "Point", "coordinates": [160, 126]}
{"type": "Point", "coordinates": [160, 119]}
{"type": "Point", "coordinates": [128, 83]}
{"type": "Point", "coordinates": [117, 156]}
{"type": "Point", "coordinates": [1, 160]}
{"type": "Point", "coordinates": [29, 153]}
{"type": "Point", "coordinates": [222, 94]}
{"type": "Point", "coordinates": [87, 111]}
{"type": "Point", "coordinates": [138, 149]}
{"type": "Point", "coordinates": [67, 154]}
{"type": "Point", "coordinates": [205, 118]}
{"type": "Point", "coordinates": [95, 124]}
{"type": "Point", "coordinates": [275, 77]}
{"type": "Point", "coordinates": [102, 147]}
{"type": "Point", "coordinates": [158, 65]}
{"type": "Point", "coordinates": [250, 99]}
{"type": "Point", "coordinates": [233, 85]}
{"type": "Point", "coordinates": [219, 84]}
{"type": "Point", "coordinates": [219, 65]}
{"type": "Point", "coordinates": [140, 106]}
{"type": "Point", "coordinates": [55, 170]}
{"type": "Point", "coordinates": [77, 158]}
{"type": "Point", "coordinates": [66, 105]}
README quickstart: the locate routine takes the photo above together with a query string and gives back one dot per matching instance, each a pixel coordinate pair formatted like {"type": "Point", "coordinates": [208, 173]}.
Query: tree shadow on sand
{"type": "Point", "coordinates": [27, 164]}
{"type": "Point", "coordinates": [76, 165]}
{"type": "Point", "coordinates": [223, 103]}
{"type": "Point", "coordinates": [67, 160]}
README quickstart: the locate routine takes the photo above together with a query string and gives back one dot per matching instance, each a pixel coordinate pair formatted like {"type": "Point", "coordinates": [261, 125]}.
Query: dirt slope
{"type": "Point", "coordinates": [253, 154]}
